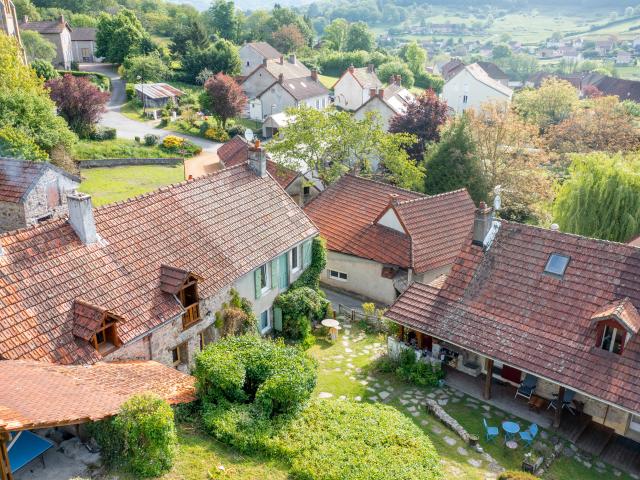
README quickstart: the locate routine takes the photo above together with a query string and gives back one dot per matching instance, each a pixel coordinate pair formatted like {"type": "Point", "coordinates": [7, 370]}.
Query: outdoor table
{"type": "Point", "coordinates": [510, 430]}
{"type": "Point", "coordinates": [333, 326]}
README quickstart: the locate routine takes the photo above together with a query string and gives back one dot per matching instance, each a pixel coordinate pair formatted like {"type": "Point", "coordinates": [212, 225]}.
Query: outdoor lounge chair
{"type": "Point", "coordinates": [527, 387]}
{"type": "Point", "coordinates": [530, 434]}
{"type": "Point", "coordinates": [490, 432]}
{"type": "Point", "coordinates": [567, 401]}
{"type": "Point", "coordinates": [26, 446]}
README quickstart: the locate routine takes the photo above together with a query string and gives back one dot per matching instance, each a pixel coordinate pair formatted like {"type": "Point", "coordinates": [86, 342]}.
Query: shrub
{"type": "Point", "coordinates": [171, 142]}
{"type": "Point", "coordinates": [44, 69]}
{"type": "Point", "coordinates": [217, 134]}
{"type": "Point", "coordinates": [234, 130]}
{"type": "Point", "coordinates": [248, 368]}
{"type": "Point", "coordinates": [103, 133]}
{"type": "Point", "coordinates": [300, 306]}
{"type": "Point", "coordinates": [75, 65]}
{"type": "Point", "coordinates": [150, 140]}
{"type": "Point", "coordinates": [141, 439]}
{"type": "Point", "coordinates": [515, 475]}
{"type": "Point", "coordinates": [311, 276]}
{"type": "Point", "coordinates": [419, 373]}
{"type": "Point", "coordinates": [130, 90]}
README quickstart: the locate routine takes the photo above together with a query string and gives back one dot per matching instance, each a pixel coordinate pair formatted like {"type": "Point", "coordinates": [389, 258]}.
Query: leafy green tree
{"type": "Point", "coordinates": [78, 20]}
{"type": "Point", "coordinates": [501, 51]}
{"type": "Point", "coordinates": [336, 143]}
{"type": "Point", "coordinates": [359, 37]}
{"type": "Point", "coordinates": [223, 97]}
{"type": "Point", "coordinates": [335, 34]}
{"type": "Point", "coordinates": [288, 39]}
{"type": "Point", "coordinates": [222, 56]}
{"type": "Point", "coordinates": [37, 47]}
{"type": "Point", "coordinates": [44, 69]}
{"type": "Point", "coordinates": [550, 104]}
{"type": "Point", "coordinates": [193, 34]}
{"type": "Point", "coordinates": [601, 197]}
{"type": "Point", "coordinates": [281, 16]}
{"type": "Point", "coordinates": [25, 8]}
{"type": "Point", "coordinates": [223, 20]}
{"type": "Point", "coordinates": [256, 26]}
{"type": "Point", "coordinates": [119, 35]}
{"type": "Point", "coordinates": [16, 143]}
{"type": "Point", "coordinates": [452, 163]}
{"type": "Point", "coordinates": [150, 68]}
{"type": "Point", "coordinates": [415, 56]}
{"type": "Point", "coordinates": [388, 70]}
{"type": "Point", "coordinates": [519, 66]}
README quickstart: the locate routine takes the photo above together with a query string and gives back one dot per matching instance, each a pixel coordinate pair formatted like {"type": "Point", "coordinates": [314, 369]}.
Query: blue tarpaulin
{"type": "Point", "coordinates": [24, 447]}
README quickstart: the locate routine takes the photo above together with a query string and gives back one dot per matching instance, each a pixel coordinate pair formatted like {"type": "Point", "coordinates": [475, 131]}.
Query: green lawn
{"type": "Point", "coordinates": [118, 148]}
{"type": "Point", "coordinates": [108, 185]}
{"type": "Point", "coordinates": [327, 80]}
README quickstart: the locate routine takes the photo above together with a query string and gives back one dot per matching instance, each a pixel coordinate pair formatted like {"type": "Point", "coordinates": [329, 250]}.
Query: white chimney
{"type": "Point", "coordinates": [482, 224]}
{"type": "Point", "coordinates": [258, 159]}
{"type": "Point", "coordinates": [554, 227]}
{"type": "Point", "coordinates": [81, 217]}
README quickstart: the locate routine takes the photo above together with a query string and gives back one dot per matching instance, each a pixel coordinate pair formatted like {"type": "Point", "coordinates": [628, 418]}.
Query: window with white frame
{"type": "Point", "coordinates": [336, 275]}
{"type": "Point", "coordinates": [295, 259]}
{"type": "Point", "coordinates": [264, 278]}
{"type": "Point", "coordinates": [612, 339]}
{"type": "Point", "coordinates": [265, 321]}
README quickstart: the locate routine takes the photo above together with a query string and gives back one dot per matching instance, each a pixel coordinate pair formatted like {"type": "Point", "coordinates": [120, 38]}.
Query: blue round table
{"type": "Point", "coordinates": [510, 430]}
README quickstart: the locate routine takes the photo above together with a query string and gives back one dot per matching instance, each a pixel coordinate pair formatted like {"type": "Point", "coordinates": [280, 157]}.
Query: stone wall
{"type": "Point", "coordinates": [11, 216]}
{"type": "Point", "coordinates": [120, 162]}
{"type": "Point", "coordinates": [42, 200]}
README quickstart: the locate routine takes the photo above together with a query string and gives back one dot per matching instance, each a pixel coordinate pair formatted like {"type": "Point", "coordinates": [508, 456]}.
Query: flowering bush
{"type": "Point", "coordinates": [180, 146]}
{"type": "Point", "coordinates": [171, 142]}
{"type": "Point", "coordinates": [216, 134]}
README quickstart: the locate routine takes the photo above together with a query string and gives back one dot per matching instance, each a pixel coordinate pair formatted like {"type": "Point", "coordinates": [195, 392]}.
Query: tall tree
{"type": "Point", "coordinates": [79, 102]}
{"type": "Point", "coordinates": [223, 20]}
{"type": "Point", "coordinates": [150, 68]}
{"type": "Point", "coordinates": [223, 97]}
{"type": "Point", "coordinates": [37, 47]}
{"type": "Point", "coordinates": [193, 34]}
{"type": "Point", "coordinates": [118, 36]}
{"type": "Point", "coordinates": [288, 39]}
{"type": "Point", "coordinates": [222, 56]}
{"type": "Point", "coordinates": [601, 197]}
{"type": "Point", "coordinates": [548, 105]}
{"type": "Point", "coordinates": [335, 34]}
{"type": "Point", "coordinates": [422, 118]}
{"type": "Point", "coordinates": [359, 37]}
{"type": "Point", "coordinates": [416, 57]}
{"type": "Point", "coordinates": [329, 144]}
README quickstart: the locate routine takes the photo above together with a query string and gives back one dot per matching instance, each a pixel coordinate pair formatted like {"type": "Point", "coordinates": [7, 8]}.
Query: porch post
{"type": "Point", "coordinates": [486, 394]}
{"type": "Point", "coordinates": [401, 333]}
{"type": "Point", "coordinates": [5, 468]}
{"type": "Point", "coordinates": [558, 415]}
{"type": "Point", "coordinates": [419, 340]}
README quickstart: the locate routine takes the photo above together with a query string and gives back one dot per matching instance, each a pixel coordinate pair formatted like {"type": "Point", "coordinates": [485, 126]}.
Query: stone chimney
{"type": "Point", "coordinates": [281, 78]}
{"type": "Point", "coordinates": [393, 198]}
{"type": "Point", "coordinates": [351, 68]}
{"type": "Point", "coordinates": [258, 159]}
{"type": "Point", "coordinates": [381, 93]}
{"type": "Point", "coordinates": [372, 92]}
{"type": "Point", "coordinates": [371, 68]}
{"type": "Point", "coordinates": [81, 217]}
{"type": "Point", "coordinates": [61, 19]}
{"type": "Point", "coordinates": [281, 60]}
{"type": "Point", "coordinates": [292, 58]}
{"type": "Point", "coordinates": [482, 224]}
{"type": "Point", "coordinates": [314, 75]}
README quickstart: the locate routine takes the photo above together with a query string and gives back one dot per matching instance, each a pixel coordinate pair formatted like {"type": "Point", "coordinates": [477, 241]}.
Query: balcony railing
{"type": "Point", "coordinates": [191, 316]}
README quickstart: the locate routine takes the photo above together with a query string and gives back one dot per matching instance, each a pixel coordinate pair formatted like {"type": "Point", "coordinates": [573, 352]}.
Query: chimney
{"type": "Point", "coordinates": [281, 78]}
{"type": "Point", "coordinates": [281, 60]}
{"type": "Point", "coordinates": [61, 19]}
{"type": "Point", "coordinates": [370, 68]}
{"type": "Point", "coordinates": [372, 92]}
{"type": "Point", "coordinates": [264, 62]}
{"type": "Point", "coordinates": [314, 75]}
{"type": "Point", "coordinates": [381, 93]}
{"type": "Point", "coordinates": [554, 227]}
{"type": "Point", "coordinates": [482, 224]}
{"type": "Point", "coordinates": [351, 69]}
{"type": "Point", "coordinates": [393, 198]}
{"type": "Point", "coordinates": [292, 58]}
{"type": "Point", "coordinates": [81, 217]}
{"type": "Point", "coordinates": [258, 159]}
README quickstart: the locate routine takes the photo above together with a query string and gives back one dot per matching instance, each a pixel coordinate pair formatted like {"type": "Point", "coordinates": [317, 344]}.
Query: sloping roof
{"type": "Point", "coordinates": [394, 96]}
{"type": "Point", "coordinates": [347, 213]}
{"type": "Point", "coordinates": [451, 68]}
{"type": "Point", "coordinates": [265, 49]}
{"type": "Point", "coordinates": [499, 303]}
{"type": "Point", "coordinates": [46, 27]}
{"type": "Point", "coordinates": [302, 88]}
{"type": "Point", "coordinates": [624, 89]}
{"type": "Point", "coordinates": [19, 177]}
{"type": "Point", "coordinates": [574, 79]}
{"type": "Point", "coordinates": [83, 35]}
{"type": "Point", "coordinates": [236, 151]}
{"type": "Point", "coordinates": [158, 90]}
{"type": "Point", "coordinates": [172, 279]}
{"type": "Point", "coordinates": [493, 70]}
{"type": "Point", "coordinates": [480, 75]}
{"type": "Point", "coordinates": [222, 226]}
{"type": "Point", "coordinates": [622, 311]}
{"type": "Point", "coordinates": [39, 395]}
{"type": "Point", "coordinates": [366, 77]}
{"type": "Point", "coordinates": [87, 318]}
{"type": "Point", "coordinates": [286, 68]}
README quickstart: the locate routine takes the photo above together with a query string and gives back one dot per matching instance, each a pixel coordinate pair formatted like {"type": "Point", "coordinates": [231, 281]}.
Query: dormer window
{"type": "Point", "coordinates": [184, 285]}
{"type": "Point", "coordinates": [96, 325]}
{"type": "Point", "coordinates": [556, 264]}
{"type": "Point", "coordinates": [612, 339]}
{"type": "Point", "coordinates": [616, 323]}
{"type": "Point", "coordinates": [106, 338]}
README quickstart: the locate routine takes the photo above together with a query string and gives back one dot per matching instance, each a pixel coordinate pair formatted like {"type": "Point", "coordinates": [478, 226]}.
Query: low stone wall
{"type": "Point", "coordinates": [447, 419]}
{"type": "Point", "coordinates": [121, 162]}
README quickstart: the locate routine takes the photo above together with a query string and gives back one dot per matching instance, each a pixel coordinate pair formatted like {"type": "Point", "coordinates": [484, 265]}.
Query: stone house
{"type": "Point", "coordinates": [83, 43]}
{"type": "Point", "coordinates": [354, 87]}
{"type": "Point", "coordinates": [9, 22]}
{"type": "Point", "coordinates": [254, 54]}
{"type": "Point", "coordinates": [381, 238]}
{"type": "Point", "coordinates": [57, 32]}
{"type": "Point", "coordinates": [387, 102]}
{"type": "Point", "coordinates": [143, 279]}
{"type": "Point", "coordinates": [471, 87]}
{"type": "Point", "coordinates": [32, 192]}
{"type": "Point", "coordinates": [559, 307]}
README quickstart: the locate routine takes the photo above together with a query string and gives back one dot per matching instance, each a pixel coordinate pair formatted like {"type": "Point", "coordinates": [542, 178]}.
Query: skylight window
{"type": "Point", "coordinates": [557, 264]}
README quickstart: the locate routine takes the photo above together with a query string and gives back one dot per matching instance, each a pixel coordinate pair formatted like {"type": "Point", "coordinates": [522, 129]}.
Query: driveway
{"type": "Point", "coordinates": [128, 128]}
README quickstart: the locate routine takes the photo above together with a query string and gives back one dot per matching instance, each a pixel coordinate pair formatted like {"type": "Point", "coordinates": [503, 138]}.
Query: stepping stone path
{"type": "Point", "coordinates": [436, 429]}
{"type": "Point", "coordinates": [462, 451]}
{"type": "Point", "coordinates": [475, 463]}
{"type": "Point", "coordinates": [450, 441]}
{"type": "Point", "coordinates": [384, 395]}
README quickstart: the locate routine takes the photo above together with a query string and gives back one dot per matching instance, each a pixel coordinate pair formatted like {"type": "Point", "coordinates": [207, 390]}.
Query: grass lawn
{"type": "Point", "coordinates": [327, 81]}
{"type": "Point", "coordinates": [108, 185]}
{"type": "Point", "coordinates": [118, 148]}
{"type": "Point", "coordinates": [132, 110]}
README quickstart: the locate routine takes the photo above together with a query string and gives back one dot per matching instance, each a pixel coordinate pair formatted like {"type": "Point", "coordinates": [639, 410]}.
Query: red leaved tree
{"type": "Point", "coordinates": [223, 97]}
{"type": "Point", "coordinates": [79, 102]}
{"type": "Point", "coordinates": [423, 118]}
{"type": "Point", "coordinates": [288, 39]}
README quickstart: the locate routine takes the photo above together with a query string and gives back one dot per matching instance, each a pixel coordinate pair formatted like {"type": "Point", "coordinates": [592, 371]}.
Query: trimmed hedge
{"type": "Point", "coordinates": [100, 80]}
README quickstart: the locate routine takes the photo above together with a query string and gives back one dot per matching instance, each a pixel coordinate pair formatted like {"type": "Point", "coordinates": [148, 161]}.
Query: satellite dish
{"type": "Point", "coordinates": [248, 135]}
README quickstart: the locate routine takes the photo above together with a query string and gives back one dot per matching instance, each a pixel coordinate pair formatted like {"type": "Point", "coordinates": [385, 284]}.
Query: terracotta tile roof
{"type": "Point", "coordinates": [221, 226]}
{"type": "Point", "coordinates": [622, 311]}
{"type": "Point", "coordinates": [236, 151]}
{"type": "Point", "coordinates": [499, 303]}
{"type": "Point", "coordinates": [436, 227]}
{"type": "Point", "coordinates": [172, 279]}
{"type": "Point", "coordinates": [18, 177]}
{"type": "Point", "coordinates": [39, 395]}
{"type": "Point", "coordinates": [87, 318]}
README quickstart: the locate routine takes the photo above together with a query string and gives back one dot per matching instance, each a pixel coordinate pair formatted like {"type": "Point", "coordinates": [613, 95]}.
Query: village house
{"type": "Point", "coordinates": [495, 72]}
{"type": "Point", "coordinates": [273, 123]}
{"type": "Point", "coordinates": [143, 279]}
{"type": "Point", "coordinates": [237, 150]}
{"type": "Point", "coordinates": [381, 238]}
{"type": "Point", "coordinates": [448, 70]}
{"type": "Point", "coordinates": [57, 32]}
{"type": "Point", "coordinates": [254, 54]}
{"type": "Point", "coordinates": [32, 192]}
{"type": "Point", "coordinates": [471, 87]}
{"type": "Point", "coordinates": [353, 88]}
{"type": "Point", "coordinates": [9, 22]}
{"type": "Point", "coordinates": [83, 43]}
{"type": "Point", "coordinates": [387, 102]}
{"type": "Point", "coordinates": [605, 46]}
{"type": "Point", "coordinates": [624, 58]}
{"type": "Point", "coordinates": [551, 314]}
{"type": "Point", "coordinates": [157, 95]}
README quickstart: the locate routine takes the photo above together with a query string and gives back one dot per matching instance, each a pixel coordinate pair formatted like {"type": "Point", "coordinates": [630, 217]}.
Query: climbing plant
{"type": "Point", "coordinates": [311, 276]}
{"type": "Point", "coordinates": [236, 316]}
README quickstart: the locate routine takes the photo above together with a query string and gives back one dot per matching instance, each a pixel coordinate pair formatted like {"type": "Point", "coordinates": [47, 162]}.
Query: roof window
{"type": "Point", "coordinates": [557, 264]}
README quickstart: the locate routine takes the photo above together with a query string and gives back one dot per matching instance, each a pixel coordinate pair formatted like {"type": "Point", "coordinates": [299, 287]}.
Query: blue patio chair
{"type": "Point", "coordinates": [490, 432]}
{"type": "Point", "coordinates": [527, 387]}
{"type": "Point", "coordinates": [530, 434]}
{"type": "Point", "coordinates": [567, 401]}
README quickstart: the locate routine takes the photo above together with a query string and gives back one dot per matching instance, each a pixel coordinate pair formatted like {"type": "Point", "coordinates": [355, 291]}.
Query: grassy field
{"type": "Point", "coordinates": [108, 185]}
{"type": "Point", "coordinates": [327, 80]}
{"type": "Point", "coordinates": [118, 148]}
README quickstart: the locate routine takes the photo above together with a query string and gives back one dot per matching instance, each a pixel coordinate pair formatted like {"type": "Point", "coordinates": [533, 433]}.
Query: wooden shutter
{"type": "Point", "coordinates": [277, 318]}
{"type": "Point", "coordinates": [274, 274]}
{"type": "Point", "coordinates": [283, 270]}
{"type": "Point", "coordinates": [306, 253]}
{"type": "Point", "coordinates": [257, 280]}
